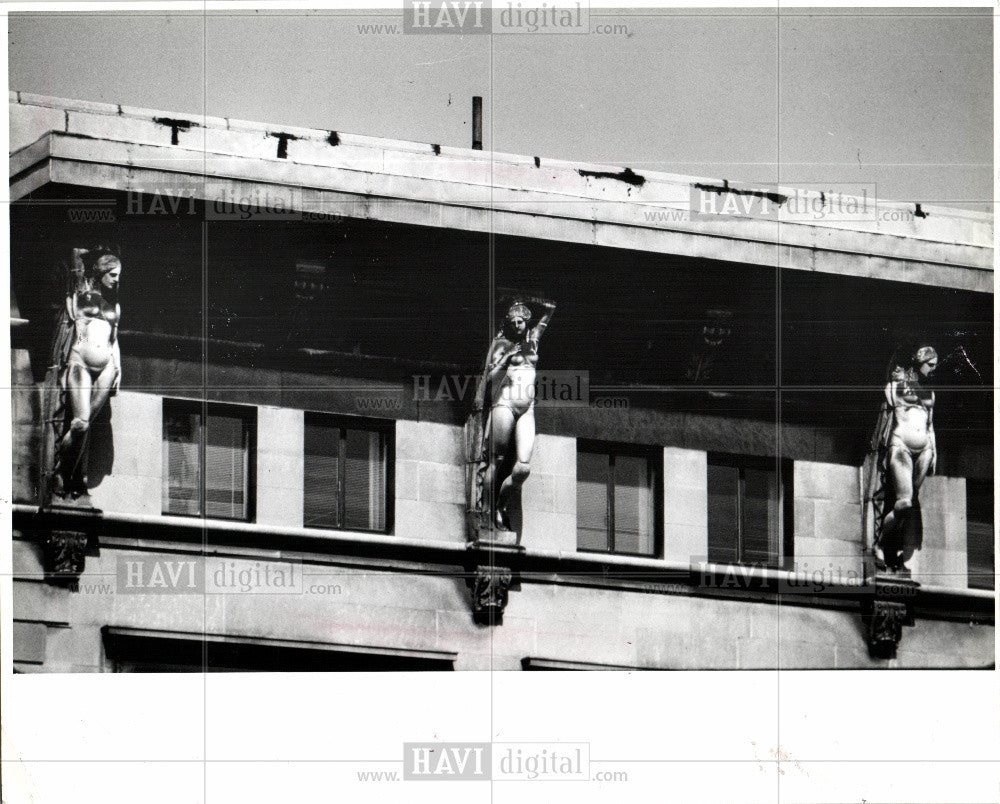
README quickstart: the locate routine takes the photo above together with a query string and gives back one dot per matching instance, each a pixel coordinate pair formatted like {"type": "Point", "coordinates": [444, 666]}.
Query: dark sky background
{"type": "Point", "coordinates": [841, 97]}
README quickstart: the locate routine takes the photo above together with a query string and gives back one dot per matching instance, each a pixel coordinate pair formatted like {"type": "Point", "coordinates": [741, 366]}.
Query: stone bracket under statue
{"type": "Point", "coordinates": [490, 586]}
{"type": "Point", "coordinates": [885, 611]}
{"type": "Point", "coordinates": [66, 535]}
{"type": "Point", "coordinates": [491, 574]}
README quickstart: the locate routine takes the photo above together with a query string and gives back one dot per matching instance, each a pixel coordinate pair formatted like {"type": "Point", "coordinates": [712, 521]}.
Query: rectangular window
{"type": "Point", "coordinates": [208, 460]}
{"type": "Point", "coordinates": [347, 474]}
{"type": "Point", "coordinates": [749, 511]}
{"type": "Point", "coordinates": [618, 500]}
{"type": "Point", "coordinates": [131, 650]}
{"type": "Point", "coordinates": [979, 524]}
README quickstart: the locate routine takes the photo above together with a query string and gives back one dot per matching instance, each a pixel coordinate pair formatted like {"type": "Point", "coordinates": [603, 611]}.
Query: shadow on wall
{"type": "Point", "coordinates": [27, 401]}
{"type": "Point", "coordinates": [25, 415]}
{"type": "Point", "coordinates": [102, 448]}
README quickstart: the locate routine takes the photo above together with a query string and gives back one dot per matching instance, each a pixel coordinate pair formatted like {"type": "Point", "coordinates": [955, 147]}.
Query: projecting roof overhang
{"type": "Point", "coordinates": [225, 161]}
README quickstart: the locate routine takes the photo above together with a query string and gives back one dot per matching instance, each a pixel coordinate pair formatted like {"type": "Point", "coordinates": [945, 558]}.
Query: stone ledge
{"type": "Point", "coordinates": [659, 190]}
{"type": "Point", "coordinates": [70, 104]}
{"type": "Point", "coordinates": [561, 568]}
{"type": "Point", "coordinates": [512, 210]}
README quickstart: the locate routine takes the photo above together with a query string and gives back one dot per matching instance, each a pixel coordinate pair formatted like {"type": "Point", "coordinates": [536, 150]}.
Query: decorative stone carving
{"type": "Point", "coordinates": [884, 628]}
{"type": "Point", "coordinates": [501, 427]}
{"type": "Point", "coordinates": [84, 371]}
{"type": "Point", "coordinates": [903, 453]}
{"type": "Point", "coordinates": [66, 534]}
{"type": "Point", "coordinates": [886, 612]}
{"type": "Point", "coordinates": [490, 587]}
{"type": "Point", "coordinates": [64, 557]}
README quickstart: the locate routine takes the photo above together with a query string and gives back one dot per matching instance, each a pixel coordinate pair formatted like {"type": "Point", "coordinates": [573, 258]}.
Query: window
{"type": "Point", "coordinates": [208, 460]}
{"type": "Point", "coordinates": [536, 663]}
{"type": "Point", "coordinates": [131, 650]}
{"type": "Point", "coordinates": [979, 524]}
{"type": "Point", "coordinates": [749, 511]}
{"type": "Point", "coordinates": [618, 500]}
{"type": "Point", "coordinates": [347, 473]}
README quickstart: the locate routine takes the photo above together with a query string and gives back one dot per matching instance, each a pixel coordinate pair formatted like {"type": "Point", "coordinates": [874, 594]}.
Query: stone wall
{"type": "Point", "coordinates": [685, 504]}
{"type": "Point", "coordinates": [60, 631]}
{"type": "Point", "coordinates": [126, 461]}
{"type": "Point", "coordinates": [828, 520]}
{"type": "Point", "coordinates": [25, 412]}
{"type": "Point", "coordinates": [280, 456]}
{"type": "Point", "coordinates": [430, 491]}
{"type": "Point", "coordinates": [942, 559]}
{"type": "Point", "coordinates": [549, 496]}
{"type": "Point", "coordinates": [430, 481]}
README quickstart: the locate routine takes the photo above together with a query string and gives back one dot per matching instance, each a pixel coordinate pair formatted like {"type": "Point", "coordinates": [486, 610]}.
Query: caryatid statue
{"type": "Point", "coordinates": [502, 435]}
{"type": "Point", "coordinates": [85, 367]}
{"type": "Point", "coordinates": [906, 452]}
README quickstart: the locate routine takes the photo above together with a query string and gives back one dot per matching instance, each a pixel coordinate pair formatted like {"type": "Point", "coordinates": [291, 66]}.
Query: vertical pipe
{"type": "Point", "coordinates": [477, 122]}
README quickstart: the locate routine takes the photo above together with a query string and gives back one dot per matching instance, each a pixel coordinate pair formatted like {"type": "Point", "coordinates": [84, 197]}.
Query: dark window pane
{"type": "Point", "coordinates": [181, 463]}
{"type": "Point", "coordinates": [364, 481]}
{"type": "Point", "coordinates": [723, 523]}
{"type": "Point", "coordinates": [321, 479]}
{"type": "Point", "coordinates": [979, 519]}
{"type": "Point", "coordinates": [745, 512]}
{"type": "Point", "coordinates": [345, 476]}
{"type": "Point", "coordinates": [225, 467]}
{"type": "Point", "coordinates": [634, 511]}
{"type": "Point", "coordinates": [761, 522]}
{"type": "Point", "coordinates": [592, 501]}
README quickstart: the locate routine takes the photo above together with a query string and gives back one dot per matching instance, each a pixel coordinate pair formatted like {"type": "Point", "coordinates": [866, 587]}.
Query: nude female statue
{"type": "Point", "coordinates": [87, 361]}
{"type": "Point", "coordinates": [909, 452]}
{"type": "Point", "coordinates": [505, 399]}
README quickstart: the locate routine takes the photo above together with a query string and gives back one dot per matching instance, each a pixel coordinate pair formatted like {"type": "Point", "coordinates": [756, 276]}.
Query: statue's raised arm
{"type": "Point", "coordinates": [548, 309]}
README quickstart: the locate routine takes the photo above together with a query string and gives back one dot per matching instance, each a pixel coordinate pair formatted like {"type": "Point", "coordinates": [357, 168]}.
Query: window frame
{"type": "Point", "coordinates": [785, 470]}
{"type": "Point", "coordinates": [387, 429]}
{"type": "Point", "coordinates": [654, 460]}
{"type": "Point", "coordinates": [247, 414]}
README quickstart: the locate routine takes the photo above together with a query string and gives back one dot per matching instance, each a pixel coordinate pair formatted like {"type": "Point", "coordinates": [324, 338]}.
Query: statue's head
{"type": "Point", "coordinates": [925, 360]}
{"type": "Point", "coordinates": [718, 326]}
{"type": "Point", "coordinates": [518, 316]}
{"type": "Point", "coordinates": [104, 265]}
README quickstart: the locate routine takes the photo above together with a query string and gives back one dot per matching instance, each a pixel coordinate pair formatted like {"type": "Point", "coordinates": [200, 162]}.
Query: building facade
{"type": "Point", "coordinates": [282, 480]}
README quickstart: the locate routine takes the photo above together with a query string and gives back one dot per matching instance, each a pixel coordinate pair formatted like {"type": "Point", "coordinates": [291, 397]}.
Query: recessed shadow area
{"type": "Point", "coordinates": [142, 653]}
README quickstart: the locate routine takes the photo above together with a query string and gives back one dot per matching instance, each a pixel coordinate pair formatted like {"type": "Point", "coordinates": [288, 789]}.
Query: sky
{"type": "Point", "coordinates": [840, 99]}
